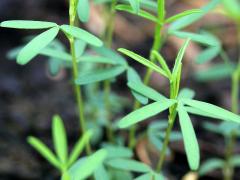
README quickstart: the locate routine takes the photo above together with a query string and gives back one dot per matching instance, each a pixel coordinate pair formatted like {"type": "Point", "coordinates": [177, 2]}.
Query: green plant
{"type": "Point", "coordinates": [68, 164]}
{"type": "Point", "coordinates": [114, 161]}
{"type": "Point", "coordinates": [227, 69]}
{"type": "Point", "coordinates": [180, 104]}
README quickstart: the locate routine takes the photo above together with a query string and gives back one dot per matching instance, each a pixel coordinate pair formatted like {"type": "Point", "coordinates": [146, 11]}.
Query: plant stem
{"type": "Point", "coordinates": [156, 46]}
{"type": "Point", "coordinates": [77, 88]}
{"type": "Point", "coordinates": [228, 171]}
{"type": "Point", "coordinates": [171, 120]}
{"type": "Point", "coordinates": [107, 83]}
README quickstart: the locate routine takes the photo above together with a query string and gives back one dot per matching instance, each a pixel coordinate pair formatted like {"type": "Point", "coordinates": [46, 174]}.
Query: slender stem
{"type": "Point", "coordinates": [107, 83]}
{"type": "Point", "coordinates": [77, 88]}
{"type": "Point", "coordinates": [171, 120]}
{"type": "Point", "coordinates": [228, 171]}
{"type": "Point", "coordinates": [156, 46]}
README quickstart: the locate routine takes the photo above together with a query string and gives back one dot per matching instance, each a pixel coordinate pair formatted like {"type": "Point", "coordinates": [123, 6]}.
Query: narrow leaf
{"type": "Point", "coordinates": [208, 54]}
{"type": "Point", "coordinates": [60, 138]}
{"type": "Point", "coordinates": [216, 72]}
{"type": "Point", "coordinates": [34, 47]}
{"type": "Point", "coordinates": [57, 54]}
{"type": "Point", "coordinates": [99, 75]}
{"type": "Point", "coordinates": [146, 91]}
{"type": "Point", "coordinates": [83, 10]}
{"type": "Point", "coordinates": [202, 38]}
{"type": "Point", "coordinates": [135, 4]}
{"type": "Point", "coordinates": [211, 165]}
{"type": "Point", "coordinates": [24, 24]}
{"type": "Point", "coordinates": [96, 59]}
{"type": "Point", "coordinates": [88, 166]}
{"type": "Point", "coordinates": [128, 165]}
{"type": "Point", "coordinates": [82, 34]}
{"type": "Point", "coordinates": [118, 152]}
{"type": "Point", "coordinates": [235, 161]}
{"type": "Point", "coordinates": [145, 112]}
{"type": "Point", "coordinates": [189, 138]}
{"type": "Point", "coordinates": [212, 110]}
{"type": "Point", "coordinates": [179, 58]}
{"type": "Point", "coordinates": [143, 61]}
{"type": "Point", "coordinates": [78, 148]}
{"type": "Point", "coordinates": [190, 19]}
{"type": "Point", "coordinates": [109, 53]}
{"type": "Point", "coordinates": [162, 63]}
{"type": "Point", "coordinates": [141, 13]}
{"type": "Point", "coordinates": [133, 76]}
{"type": "Point", "coordinates": [44, 151]}
{"type": "Point", "coordinates": [182, 14]}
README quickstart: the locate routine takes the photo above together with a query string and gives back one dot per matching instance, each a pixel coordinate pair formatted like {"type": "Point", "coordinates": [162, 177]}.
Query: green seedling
{"type": "Point", "coordinates": [63, 161]}
{"type": "Point", "coordinates": [229, 131]}
{"type": "Point", "coordinates": [177, 104]}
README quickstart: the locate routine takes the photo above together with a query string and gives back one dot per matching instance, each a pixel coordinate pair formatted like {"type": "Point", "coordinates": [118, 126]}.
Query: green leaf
{"type": "Point", "coordinates": [55, 53]}
{"type": "Point", "coordinates": [25, 24]}
{"type": "Point", "coordinates": [189, 138]}
{"type": "Point", "coordinates": [128, 165]}
{"type": "Point", "coordinates": [60, 139]}
{"type": "Point", "coordinates": [226, 128]}
{"type": "Point", "coordinates": [141, 13]}
{"type": "Point", "coordinates": [208, 54]}
{"type": "Point", "coordinates": [54, 66]}
{"type": "Point", "coordinates": [143, 61]}
{"type": "Point", "coordinates": [35, 46]}
{"type": "Point", "coordinates": [135, 4]}
{"type": "Point", "coordinates": [78, 147]}
{"type": "Point", "coordinates": [80, 47]}
{"type": "Point", "coordinates": [216, 72]}
{"type": "Point", "coordinates": [178, 61]}
{"type": "Point", "coordinates": [182, 14]}
{"type": "Point", "coordinates": [203, 38]}
{"type": "Point", "coordinates": [82, 35]}
{"type": "Point", "coordinates": [101, 173]}
{"type": "Point", "coordinates": [235, 160]}
{"type": "Point", "coordinates": [211, 109]}
{"type": "Point", "coordinates": [146, 176]}
{"type": "Point", "coordinates": [210, 165]}
{"type": "Point", "coordinates": [146, 91]}
{"type": "Point", "coordinates": [190, 19]}
{"type": "Point", "coordinates": [99, 75]}
{"type": "Point", "coordinates": [186, 93]}
{"type": "Point", "coordinates": [145, 112]}
{"type": "Point", "coordinates": [212, 127]}
{"type": "Point", "coordinates": [233, 8]}
{"type": "Point", "coordinates": [83, 10]}
{"type": "Point", "coordinates": [111, 54]}
{"type": "Point", "coordinates": [44, 151]}
{"type": "Point", "coordinates": [199, 112]}
{"type": "Point", "coordinates": [133, 76]}
{"type": "Point", "coordinates": [162, 62]}
{"type": "Point", "coordinates": [96, 59]}
{"type": "Point", "coordinates": [84, 169]}
{"type": "Point", "coordinates": [118, 152]}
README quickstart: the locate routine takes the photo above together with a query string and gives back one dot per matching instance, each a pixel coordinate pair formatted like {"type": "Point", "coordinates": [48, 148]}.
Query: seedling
{"type": "Point", "coordinates": [68, 165]}
{"type": "Point", "coordinates": [177, 104]}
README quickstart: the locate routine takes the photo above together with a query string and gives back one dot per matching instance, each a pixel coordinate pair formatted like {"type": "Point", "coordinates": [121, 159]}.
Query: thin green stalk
{"type": "Point", "coordinates": [77, 88]}
{"type": "Point", "coordinates": [156, 46]}
{"type": "Point", "coordinates": [171, 120]}
{"type": "Point", "coordinates": [174, 89]}
{"type": "Point", "coordinates": [228, 171]}
{"type": "Point", "coordinates": [107, 83]}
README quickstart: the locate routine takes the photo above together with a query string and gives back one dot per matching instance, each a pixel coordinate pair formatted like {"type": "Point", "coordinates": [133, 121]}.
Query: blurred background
{"type": "Point", "coordinates": [30, 96]}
